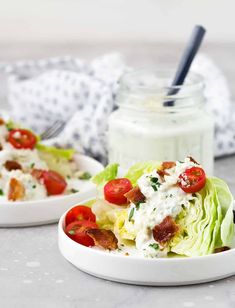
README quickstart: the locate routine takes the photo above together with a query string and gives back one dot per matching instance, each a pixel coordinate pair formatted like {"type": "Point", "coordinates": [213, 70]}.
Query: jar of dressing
{"type": "Point", "coordinates": [151, 124]}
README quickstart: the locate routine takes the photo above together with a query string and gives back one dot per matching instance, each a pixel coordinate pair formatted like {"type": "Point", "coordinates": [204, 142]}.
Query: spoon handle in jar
{"type": "Point", "coordinates": [186, 61]}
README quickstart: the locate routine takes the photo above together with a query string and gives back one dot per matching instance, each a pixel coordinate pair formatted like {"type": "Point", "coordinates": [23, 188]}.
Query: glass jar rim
{"type": "Point", "coordinates": [151, 91]}
{"type": "Point", "coordinates": [134, 83]}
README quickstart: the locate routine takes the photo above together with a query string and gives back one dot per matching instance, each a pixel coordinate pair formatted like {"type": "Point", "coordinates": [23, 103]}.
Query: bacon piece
{"type": "Point", "coordinates": [1, 147]}
{"type": "Point", "coordinates": [165, 231]}
{"type": "Point", "coordinates": [2, 122]}
{"type": "Point", "coordinates": [12, 165]}
{"type": "Point", "coordinates": [135, 195]}
{"type": "Point", "coordinates": [168, 165]}
{"type": "Point", "coordinates": [162, 173]}
{"type": "Point", "coordinates": [193, 160]}
{"type": "Point", "coordinates": [16, 190]}
{"type": "Point", "coordinates": [103, 238]}
{"type": "Point", "coordinates": [165, 165]}
{"type": "Point", "coordinates": [221, 249]}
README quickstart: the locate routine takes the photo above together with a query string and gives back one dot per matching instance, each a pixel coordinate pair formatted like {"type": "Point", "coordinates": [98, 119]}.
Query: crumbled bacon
{"type": "Point", "coordinates": [165, 231]}
{"type": "Point", "coordinates": [12, 165]}
{"type": "Point", "coordinates": [168, 165]}
{"type": "Point", "coordinates": [221, 249]}
{"type": "Point", "coordinates": [103, 238]}
{"type": "Point", "coordinates": [1, 148]}
{"type": "Point", "coordinates": [16, 190]}
{"type": "Point", "coordinates": [164, 166]}
{"type": "Point", "coordinates": [193, 160]}
{"type": "Point", "coordinates": [2, 122]}
{"type": "Point", "coordinates": [135, 195]}
{"type": "Point", "coordinates": [162, 173]}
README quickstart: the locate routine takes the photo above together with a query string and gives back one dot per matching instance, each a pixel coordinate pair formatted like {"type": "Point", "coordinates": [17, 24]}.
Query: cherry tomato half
{"type": "Point", "coordinates": [54, 182]}
{"type": "Point", "coordinates": [115, 190]}
{"type": "Point", "coordinates": [22, 139]}
{"type": "Point", "coordinates": [78, 213]}
{"type": "Point", "coordinates": [192, 180]}
{"type": "Point", "coordinates": [77, 232]}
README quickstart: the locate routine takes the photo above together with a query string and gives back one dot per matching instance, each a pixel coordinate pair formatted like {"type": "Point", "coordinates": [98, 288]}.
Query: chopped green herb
{"type": "Point", "coordinates": [154, 246]}
{"type": "Point", "coordinates": [154, 209]}
{"type": "Point", "coordinates": [170, 196]}
{"type": "Point", "coordinates": [34, 186]}
{"type": "Point", "coordinates": [85, 176]}
{"type": "Point", "coordinates": [181, 162]}
{"type": "Point", "coordinates": [1, 192]}
{"type": "Point", "coordinates": [32, 165]}
{"type": "Point", "coordinates": [154, 183]}
{"type": "Point", "coordinates": [68, 177]}
{"type": "Point", "coordinates": [137, 206]}
{"type": "Point", "coordinates": [74, 191]}
{"type": "Point", "coordinates": [72, 232]}
{"type": "Point", "coordinates": [131, 214]}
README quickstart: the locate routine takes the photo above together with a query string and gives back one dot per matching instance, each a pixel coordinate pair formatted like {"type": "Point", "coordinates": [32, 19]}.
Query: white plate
{"type": "Point", "coordinates": [39, 212]}
{"type": "Point", "coordinates": [142, 271]}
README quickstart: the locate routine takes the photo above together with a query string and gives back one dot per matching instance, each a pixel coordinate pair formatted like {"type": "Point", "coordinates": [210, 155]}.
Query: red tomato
{"type": "Point", "coordinates": [78, 213]}
{"type": "Point", "coordinates": [192, 180]}
{"type": "Point", "coordinates": [77, 232]}
{"type": "Point", "coordinates": [115, 190]}
{"type": "Point", "coordinates": [22, 139]}
{"type": "Point", "coordinates": [54, 182]}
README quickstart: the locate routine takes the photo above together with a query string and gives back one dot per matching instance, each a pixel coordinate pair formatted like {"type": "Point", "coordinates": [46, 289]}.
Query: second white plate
{"type": "Point", "coordinates": [39, 212]}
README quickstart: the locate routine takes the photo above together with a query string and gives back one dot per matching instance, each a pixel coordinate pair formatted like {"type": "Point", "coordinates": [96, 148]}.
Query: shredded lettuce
{"type": "Point", "coordinates": [108, 174]}
{"type": "Point", "coordinates": [57, 159]}
{"type": "Point", "coordinates": [12, 125]}
{"type": "Point", "coordinates": [137, 170]}
{"type": "Point", "coordinates": [106, 213]}
{"type": "Point", "coordinates": [56, 152]}
{"type": "Point", "coordinates": [123, 228]}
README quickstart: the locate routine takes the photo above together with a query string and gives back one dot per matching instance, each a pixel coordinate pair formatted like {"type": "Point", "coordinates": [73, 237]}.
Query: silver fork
{"type": "Point", "coordinates": [53, 131]}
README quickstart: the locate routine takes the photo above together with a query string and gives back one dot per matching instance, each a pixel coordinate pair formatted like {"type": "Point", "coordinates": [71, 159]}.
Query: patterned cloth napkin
{"type": "Point", "coordinates": [83, 95]}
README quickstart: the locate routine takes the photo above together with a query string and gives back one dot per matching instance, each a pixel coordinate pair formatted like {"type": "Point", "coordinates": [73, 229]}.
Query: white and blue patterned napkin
{"type": "Point", "coordinates": [83, 95]}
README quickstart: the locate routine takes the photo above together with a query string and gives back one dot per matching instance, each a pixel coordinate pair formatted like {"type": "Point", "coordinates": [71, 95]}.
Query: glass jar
{"type": "Point", "coordinates": [155, 121]}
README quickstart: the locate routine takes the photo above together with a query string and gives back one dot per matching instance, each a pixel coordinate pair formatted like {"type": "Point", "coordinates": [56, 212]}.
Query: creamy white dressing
{"type": "Point", "coordinates": [167, 200]}
{"type": "Point", "coordinates": [139, 137]}
{"type": "Point", "coordinates": [34, 190]}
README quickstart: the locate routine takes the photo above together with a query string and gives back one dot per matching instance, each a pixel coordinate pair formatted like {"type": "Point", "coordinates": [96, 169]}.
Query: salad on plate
{"type": "Point", "coordinates": [156, 210]}
{"type": "Point", "coordinates": [30, 170]}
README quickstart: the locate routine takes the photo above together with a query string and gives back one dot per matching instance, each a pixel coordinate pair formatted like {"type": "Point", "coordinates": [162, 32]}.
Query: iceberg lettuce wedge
{"type": "Point", "coordinates": [207, 223]}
